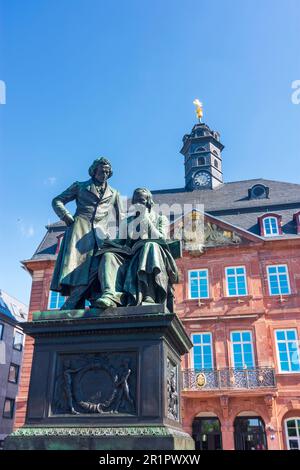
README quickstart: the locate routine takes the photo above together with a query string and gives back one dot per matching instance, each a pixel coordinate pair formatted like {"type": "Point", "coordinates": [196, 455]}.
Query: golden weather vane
{"type": "Point", "coordinates": [199, 109]}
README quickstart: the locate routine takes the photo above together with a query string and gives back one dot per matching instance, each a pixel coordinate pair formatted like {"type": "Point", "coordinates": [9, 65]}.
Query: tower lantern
{"type": "Point", "coordinates": [202, 152]}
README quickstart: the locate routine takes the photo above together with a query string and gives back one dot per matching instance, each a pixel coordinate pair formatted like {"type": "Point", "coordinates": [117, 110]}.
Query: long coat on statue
{"type": "Point", "coordinates": [96, 217]}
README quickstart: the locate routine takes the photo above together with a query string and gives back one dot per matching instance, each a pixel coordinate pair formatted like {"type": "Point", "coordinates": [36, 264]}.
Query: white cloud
{"type": "Point", "coordinates": [26, 230]}
{"type": "Point", "coordinates": [50, 181]}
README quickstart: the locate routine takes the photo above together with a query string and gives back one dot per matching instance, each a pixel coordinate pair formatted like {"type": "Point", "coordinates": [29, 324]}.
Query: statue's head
{"type": "Point", "coordinates": [143, 196]}
{"type": "Point", "coordinates": [101, 169]}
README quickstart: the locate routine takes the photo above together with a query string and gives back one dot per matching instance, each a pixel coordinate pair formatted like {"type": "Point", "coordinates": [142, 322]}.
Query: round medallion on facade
{"type": "Point", "coordinates": [200, 380]}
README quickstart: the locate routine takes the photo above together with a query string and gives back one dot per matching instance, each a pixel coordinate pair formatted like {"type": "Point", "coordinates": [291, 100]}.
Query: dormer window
{"type": "Point", "coordinates": [258, 191]}
{"type": "Point", "coordinates": [297, 221]}
{"type": "Point", "coordinates": [270, 225]}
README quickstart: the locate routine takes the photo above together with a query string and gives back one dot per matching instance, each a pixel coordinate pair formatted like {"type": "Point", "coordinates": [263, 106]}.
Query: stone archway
{"type": "Point", "coordinates": [207, 431]}
{"type": "Point", "coordinates": [249, 431]}
{"type": "Point", "coordinates": [193, 408]}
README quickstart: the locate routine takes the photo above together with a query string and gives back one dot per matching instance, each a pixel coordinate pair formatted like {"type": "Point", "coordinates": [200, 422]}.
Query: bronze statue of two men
{"type": "Point", "coordinates": [107, 258]}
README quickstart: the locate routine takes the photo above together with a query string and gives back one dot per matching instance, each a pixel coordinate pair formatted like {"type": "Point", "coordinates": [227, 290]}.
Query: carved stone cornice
{"type": "Point", "coordinates": [96, 432]}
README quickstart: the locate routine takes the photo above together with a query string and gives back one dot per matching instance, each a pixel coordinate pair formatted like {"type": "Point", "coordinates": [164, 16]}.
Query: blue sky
{"type": "Point", "coordinates": [86, 78]}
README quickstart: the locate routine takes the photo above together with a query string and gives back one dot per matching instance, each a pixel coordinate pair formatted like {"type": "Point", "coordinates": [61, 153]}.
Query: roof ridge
{"type": "Point", "coordinates": [262, 179]}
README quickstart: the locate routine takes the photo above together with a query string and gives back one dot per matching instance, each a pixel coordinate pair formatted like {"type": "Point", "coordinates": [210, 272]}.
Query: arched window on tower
{"type": "Point", "coordinates": [216, 163]}
{"type": "Point", "coordinates": [201, 161]}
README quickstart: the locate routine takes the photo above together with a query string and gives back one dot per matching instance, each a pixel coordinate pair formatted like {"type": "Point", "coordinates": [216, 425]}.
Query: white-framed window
{"type": "Point", "coordinates": [292, 433]}
{"type": "Point", "coordinates": [56, 300]}
{"type": "Point", "coordinates": [236, 282]}
{"type": "Point", "coordinates": [202, 354]}
{"type": "Point", "coordinates": [287, 350]}
{"type": "Point", "coordinates": [18, 340]}
{"type": "Point", "coordinates": [271, 226]}
{"type": "Point", "coordinates": [242, 349]}
{"type": "Point", "coordinates": [198, 284]}
{"type": "Point", "coordinates": [278, 279]}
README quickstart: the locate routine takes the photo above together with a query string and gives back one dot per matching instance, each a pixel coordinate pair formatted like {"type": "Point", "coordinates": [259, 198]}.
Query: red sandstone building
{"type": "Point", "coordinates": [238, 298]}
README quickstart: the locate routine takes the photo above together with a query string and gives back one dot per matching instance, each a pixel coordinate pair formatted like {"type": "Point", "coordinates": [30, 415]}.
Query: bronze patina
{"type": "Point", "coordinates": [107, 257]}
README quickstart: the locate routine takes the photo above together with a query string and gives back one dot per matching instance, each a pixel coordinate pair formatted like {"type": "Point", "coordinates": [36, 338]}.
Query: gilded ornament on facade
{"type": "Point", "coordinates": [201, 380]}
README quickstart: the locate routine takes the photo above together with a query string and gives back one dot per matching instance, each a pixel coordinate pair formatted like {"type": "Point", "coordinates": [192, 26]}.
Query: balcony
{"type": "Point", "coordinates": [228, 379]}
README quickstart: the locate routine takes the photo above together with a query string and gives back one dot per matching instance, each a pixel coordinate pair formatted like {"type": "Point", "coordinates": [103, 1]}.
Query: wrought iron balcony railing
{"type": "Point", "coordinates": [229, 378]}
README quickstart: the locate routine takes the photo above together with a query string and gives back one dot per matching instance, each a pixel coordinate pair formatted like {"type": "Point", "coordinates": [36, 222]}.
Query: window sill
{"type": "Point", "coordinates": [237, 298]}
{"type": "Point", "coordinates": [281, 298]}
{"type": "Point", "coordinates": [201, 301]}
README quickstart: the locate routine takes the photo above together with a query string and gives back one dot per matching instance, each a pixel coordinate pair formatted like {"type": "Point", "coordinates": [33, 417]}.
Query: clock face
{"type": "Point", "coordinates": [201, 178]}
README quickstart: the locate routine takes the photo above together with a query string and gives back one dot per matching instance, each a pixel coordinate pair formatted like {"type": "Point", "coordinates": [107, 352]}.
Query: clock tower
{"type": "Point", "coordinates": [202, 158]}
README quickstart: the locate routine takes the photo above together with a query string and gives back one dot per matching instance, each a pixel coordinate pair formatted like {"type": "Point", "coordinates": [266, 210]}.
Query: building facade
{"type": "Point", "coordinates": [12, 314]}
{"type": "Point", "coordinates": [238, 298]}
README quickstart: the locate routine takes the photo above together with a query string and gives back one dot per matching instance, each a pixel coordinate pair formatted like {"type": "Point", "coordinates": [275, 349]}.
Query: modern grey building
{"type": "Point", "coordinates": [12, 314]}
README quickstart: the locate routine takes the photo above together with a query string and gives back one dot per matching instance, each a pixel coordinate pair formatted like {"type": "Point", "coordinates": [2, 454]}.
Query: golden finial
{"type": "Point", "coordinates": [199, 109]}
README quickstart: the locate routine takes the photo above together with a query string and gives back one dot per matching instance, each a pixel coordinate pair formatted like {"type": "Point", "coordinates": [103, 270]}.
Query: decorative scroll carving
{"type": "Point", "coordinates": [98, 384]}
{"type": "Point", "coordinates": [224, 402]}
{"type": "Point", "coordinates": [269, 401]}
{"type": "Point", "coordinates": [172, 391]}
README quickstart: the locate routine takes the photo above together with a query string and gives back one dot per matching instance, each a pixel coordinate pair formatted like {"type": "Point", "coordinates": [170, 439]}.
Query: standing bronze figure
{"type": "Point", "coordinates": [98, 211]}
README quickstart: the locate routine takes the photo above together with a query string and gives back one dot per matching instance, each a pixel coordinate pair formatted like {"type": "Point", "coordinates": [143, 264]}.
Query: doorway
{"type": "Point", "coordinates": [249, 433]}
{"type": "Point", "coordinates": [207, 433]}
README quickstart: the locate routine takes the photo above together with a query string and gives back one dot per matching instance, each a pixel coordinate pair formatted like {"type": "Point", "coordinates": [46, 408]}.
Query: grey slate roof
{"type": "Point", "coordinates": [233, 196]}
{"type": "Point", "coordinates": [228, 202]}
{"type": "Point", "coordinates": [12, 309]}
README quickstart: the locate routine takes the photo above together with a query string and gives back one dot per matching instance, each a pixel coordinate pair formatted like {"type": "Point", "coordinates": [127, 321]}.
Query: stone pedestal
{"type": "Point", "coordinates": [105, 380]}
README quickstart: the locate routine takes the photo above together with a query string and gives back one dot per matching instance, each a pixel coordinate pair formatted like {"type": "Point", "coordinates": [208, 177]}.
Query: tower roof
{"type": "Point", "coordinates": [201, 132]}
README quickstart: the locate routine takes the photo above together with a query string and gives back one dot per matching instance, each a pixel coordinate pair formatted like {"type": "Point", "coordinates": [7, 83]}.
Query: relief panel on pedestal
{"type": "Point", "coordinates": [99, 383]}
